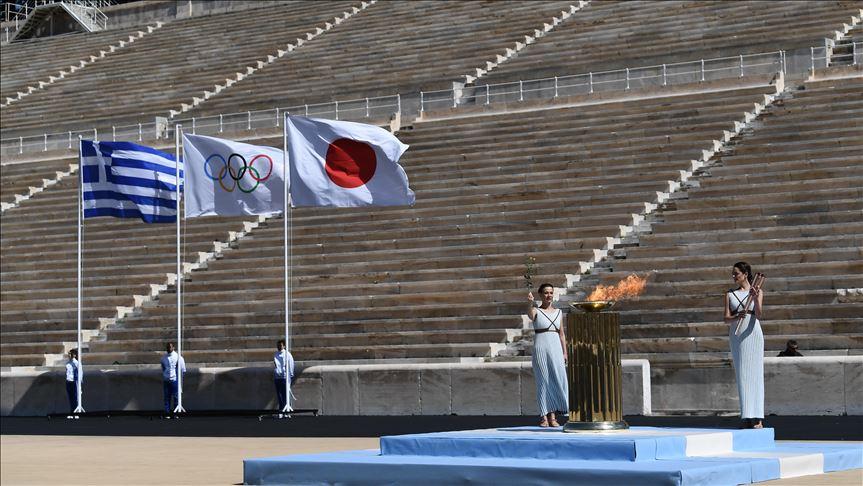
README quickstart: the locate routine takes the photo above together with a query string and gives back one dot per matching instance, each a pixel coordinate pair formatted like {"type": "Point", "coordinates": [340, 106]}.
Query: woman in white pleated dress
{"type": "Point", "coordinates": [549, 357]}
{"type": "Point", "coordinates": [747, 348]}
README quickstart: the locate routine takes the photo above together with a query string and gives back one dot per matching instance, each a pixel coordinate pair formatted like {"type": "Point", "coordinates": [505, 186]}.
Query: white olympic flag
{"type": "Point", "coordinates": [230, 178]}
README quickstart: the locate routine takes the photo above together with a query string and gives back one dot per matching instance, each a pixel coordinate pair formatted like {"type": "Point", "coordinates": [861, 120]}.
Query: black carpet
{"type": "Point", "coordinates": [787, 428]}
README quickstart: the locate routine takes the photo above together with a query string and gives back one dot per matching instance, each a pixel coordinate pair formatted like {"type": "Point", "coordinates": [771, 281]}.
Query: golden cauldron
{"type": "Point", "coordinates": [594, 371]}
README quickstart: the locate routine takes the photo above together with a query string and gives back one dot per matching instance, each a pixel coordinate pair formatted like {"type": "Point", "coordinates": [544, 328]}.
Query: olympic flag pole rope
{"type": "Point", "coordinates": [79, 376]}
{"type": "Point", "coordinates": [178, 129]}
{"type": "Point", "coordinates": [286, 215]}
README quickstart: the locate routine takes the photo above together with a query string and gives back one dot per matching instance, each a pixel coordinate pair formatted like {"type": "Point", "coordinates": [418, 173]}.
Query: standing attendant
{"type": "Point", "coordinates": [747, 348]}
{"type": "Point", "coordinates": [549, 357]}
{"type": "Point", "coordinates": [73, 374]}
{"type": "Point", "coordinates": [283, 372]}
{"type": "Point", "coordinates": [172, 365]}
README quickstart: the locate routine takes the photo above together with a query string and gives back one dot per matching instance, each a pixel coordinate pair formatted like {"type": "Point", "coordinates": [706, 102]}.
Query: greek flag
{"type": "Point", "coordinates": [126, 180]}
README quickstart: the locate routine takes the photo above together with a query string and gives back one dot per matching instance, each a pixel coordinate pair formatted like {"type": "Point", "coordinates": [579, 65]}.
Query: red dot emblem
{"type": "Point", "coordinates": [350, 163]}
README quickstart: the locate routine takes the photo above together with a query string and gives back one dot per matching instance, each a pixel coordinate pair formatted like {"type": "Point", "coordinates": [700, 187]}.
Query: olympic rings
{"type": "Point", "coordinates": [237, 176]}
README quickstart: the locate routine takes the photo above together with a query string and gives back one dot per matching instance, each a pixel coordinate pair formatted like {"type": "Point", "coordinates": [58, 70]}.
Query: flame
{"type": "Point", "coordinates": [628, 288]}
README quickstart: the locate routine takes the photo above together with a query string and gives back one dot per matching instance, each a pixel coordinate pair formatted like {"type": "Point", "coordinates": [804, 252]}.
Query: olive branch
{"type": "Point", "coordinates": [528, 272]}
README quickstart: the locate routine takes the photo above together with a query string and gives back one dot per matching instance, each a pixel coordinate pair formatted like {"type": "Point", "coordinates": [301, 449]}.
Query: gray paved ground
{"type": "Point", "coordinates": [73, 460]}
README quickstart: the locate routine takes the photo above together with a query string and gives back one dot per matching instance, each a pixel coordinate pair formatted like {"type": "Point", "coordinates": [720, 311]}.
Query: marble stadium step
{"type": "Point", "coordinates": [853, 253]}
{"type": "Point", "coordinates": [838, 219]}
{"type": "Point", "coordinates": [778, 283]}
{"type": "Point", "coordinates": [7, 360]}
{"type": "Point", "coordinates": [38, 326]}
{"type": "Point", "coordinates": [30, 348]}
{"type": "Point", "coordinates": [676, 214]}
{"type": "Point", "coordinates": [730, 158]}
{"type": "Point", "coordinates": [776, 298]}
{"type": "Point", "coordinates": [701, 314]}
{"type": "Point", "coordinates": [358, 302]}
{"type": "Point", "coordinates": [338, 314]}
{"type": "Point", "coordinates": [40, 336]}
{"type": "Point", "coordinates": [336, 284]}
{"type": "Point", "coordinates": [731, 247]}
{"type": "Point", "coordinates": [305, 340]}
{"type": "Point", "coordinates": [787, 328]}
{"type": "Point", "coordinates": [673, 238]}
{"type": "Point", "coordinates": [272, 324]}
{"type": "Point", "coordinates": [802, 269]}
{"type": "Point", "coordinates": [243, 324]}
{"type": "Point", "coordinates": [305, 354]}
{"type": "Point", "coordinates": [38, 316]}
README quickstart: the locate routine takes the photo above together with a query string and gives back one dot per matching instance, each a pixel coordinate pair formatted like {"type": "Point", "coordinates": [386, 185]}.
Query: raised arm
{"type": "Point", "coordinates": [531, 306]}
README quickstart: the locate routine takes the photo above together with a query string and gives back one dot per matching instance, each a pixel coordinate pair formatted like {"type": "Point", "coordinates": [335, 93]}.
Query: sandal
{"type": "Point", "coordinates": [543, 422]}
{"type": "Point", "coordinates": [554, 423]}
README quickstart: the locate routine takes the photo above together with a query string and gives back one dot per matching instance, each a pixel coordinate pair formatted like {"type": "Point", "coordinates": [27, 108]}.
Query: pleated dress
{"type": "Point", "coordinates": [747, 352]}
{"type": "Point", "coordinates": [549, 370]}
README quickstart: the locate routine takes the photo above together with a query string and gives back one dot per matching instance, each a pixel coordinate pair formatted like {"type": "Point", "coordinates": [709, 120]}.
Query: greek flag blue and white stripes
{"type": "Point", "coordinates": [127, 180]}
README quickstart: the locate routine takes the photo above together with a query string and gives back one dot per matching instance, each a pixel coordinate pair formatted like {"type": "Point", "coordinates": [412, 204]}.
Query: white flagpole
{"type": "Point", "coordinates": [79, 377]}
{"type": "Point", "coordinates": [288, 240]}
{"type": "Point", "coordinates": [179, 408]}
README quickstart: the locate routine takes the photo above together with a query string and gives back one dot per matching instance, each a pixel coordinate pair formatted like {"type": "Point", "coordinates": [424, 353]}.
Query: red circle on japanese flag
{"type": "Point", "coordinates": [350, 163]}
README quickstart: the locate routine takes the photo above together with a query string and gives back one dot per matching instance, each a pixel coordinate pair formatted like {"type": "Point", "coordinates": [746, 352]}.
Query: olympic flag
{"type": "Point", "coordinates": [230, 178]}
{"type": "Point", "coordinates": [337, 163]}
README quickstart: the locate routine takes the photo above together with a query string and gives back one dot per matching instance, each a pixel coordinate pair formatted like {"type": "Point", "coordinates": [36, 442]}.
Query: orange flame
{"type": "Point", "coordinates": [628, 288]}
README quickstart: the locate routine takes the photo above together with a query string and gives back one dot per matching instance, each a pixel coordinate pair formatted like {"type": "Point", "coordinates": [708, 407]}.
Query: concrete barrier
{"type": "Point", "coordinates": [823, 385]}
{"type": "Point", "coordinates": [819, 385]}
{"type": "Point", "coordinates": [505, 388]}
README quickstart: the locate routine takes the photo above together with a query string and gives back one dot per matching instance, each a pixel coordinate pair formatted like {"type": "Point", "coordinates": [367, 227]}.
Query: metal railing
{"type": "Point", "coordinates": [825, 56]}
{"type": "Point", "coordinates": [87, 12]}
{"type": "Point", "coordinates": [350, 110]}
{"type": "Point", "coordinates": [601, 81]}
{"type": "Point", "coordinates": [360, 109]}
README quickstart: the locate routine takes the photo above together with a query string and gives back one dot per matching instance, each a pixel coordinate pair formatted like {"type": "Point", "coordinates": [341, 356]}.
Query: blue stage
{"type": "Point", "coordinates": [533, 455]}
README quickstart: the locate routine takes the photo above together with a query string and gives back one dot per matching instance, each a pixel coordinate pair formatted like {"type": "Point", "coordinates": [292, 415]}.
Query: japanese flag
{"type": "Point", "coordinates": [337, 163]}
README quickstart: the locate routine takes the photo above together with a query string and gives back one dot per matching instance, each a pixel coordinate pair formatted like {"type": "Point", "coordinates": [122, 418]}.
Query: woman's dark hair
{"type": "Point", "coordinates": [280, 342]}
{"type": "Point", "coordinates": [746, 269]}
{"type": "Point", "coordinates": [73, 354]}
{"type": "Point", "coordinates": [543, 286]}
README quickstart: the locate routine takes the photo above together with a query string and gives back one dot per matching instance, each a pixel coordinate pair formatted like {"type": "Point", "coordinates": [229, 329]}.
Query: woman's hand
{"type": "Point", "coordinates": [530, 297]}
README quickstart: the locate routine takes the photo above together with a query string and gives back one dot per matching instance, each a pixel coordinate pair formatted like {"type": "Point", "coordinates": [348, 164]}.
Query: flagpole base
{"type": "Point", "coordinates": [179, 409]}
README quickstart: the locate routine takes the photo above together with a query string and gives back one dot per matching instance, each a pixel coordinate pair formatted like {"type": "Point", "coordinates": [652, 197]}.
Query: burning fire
{"type": "Point", "coordinates": [628, 288]}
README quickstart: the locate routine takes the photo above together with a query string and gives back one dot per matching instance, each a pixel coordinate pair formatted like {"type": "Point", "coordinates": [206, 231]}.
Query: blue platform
{"type": "Point", "coordinates": [533, 455]}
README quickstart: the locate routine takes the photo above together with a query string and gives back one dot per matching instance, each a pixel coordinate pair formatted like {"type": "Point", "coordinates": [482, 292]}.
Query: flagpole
{"type": "Point", "coordinates": [179, 408]}
{"type": "Point", "coordinates": [80, 371]}
{"type": "Point", "coordinates": [288, 267]}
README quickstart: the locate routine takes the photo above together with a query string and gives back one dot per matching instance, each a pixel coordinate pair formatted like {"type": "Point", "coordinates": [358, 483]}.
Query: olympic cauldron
{"type": "Point", "coordinates": [594, 371]}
